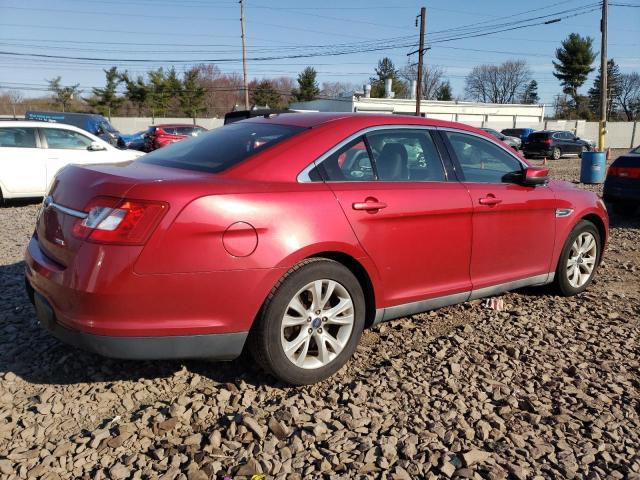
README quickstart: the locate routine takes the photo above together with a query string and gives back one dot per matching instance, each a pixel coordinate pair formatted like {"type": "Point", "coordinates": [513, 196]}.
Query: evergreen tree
{"type": "Point", "coordinates": [137, 91]}
{"type": "Point", "coordinates": [530, 94]}
{"type": "Point", "coordinates": [386, 69]}
{"type": "Point", "coordinates": [265, 95]}
{"type": "Point", "coordinates": [192, 93]}
{"type": "Point", "coordinates": [444, 91]}
{"type": "Point", "coordinates": [106, 100]}
{"type": "Point", "coordinates": [307, 86]}
{"type": "Point", "coordinates": [63, 95]}
{"type": "Point", "coordinates": [614, 79]}
{"type": "Point", "coordinates": [160, 92]}
{"type": "Point", "coordinates": [574, 64]}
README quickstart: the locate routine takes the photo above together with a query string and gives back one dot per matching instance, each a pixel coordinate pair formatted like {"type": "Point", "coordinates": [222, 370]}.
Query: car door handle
{"type": "Point", "coordinates": [369, 205]}
{"type": "Point", "coordinates": [489, 200]}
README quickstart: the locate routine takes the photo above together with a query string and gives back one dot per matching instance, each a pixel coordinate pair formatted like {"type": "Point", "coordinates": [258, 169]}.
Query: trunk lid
{"type": "Point", "coordinates": [75, 186]}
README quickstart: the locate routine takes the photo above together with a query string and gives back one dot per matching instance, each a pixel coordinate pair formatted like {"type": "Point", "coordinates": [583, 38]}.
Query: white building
{"type": "Point", "coordinates": [476, 114]}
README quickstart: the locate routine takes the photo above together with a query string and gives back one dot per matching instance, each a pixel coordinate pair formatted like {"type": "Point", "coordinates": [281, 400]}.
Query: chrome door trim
{"type": "Point", "coordinates": [303, 176]}
{"type": "Point", "coordinates": [405, 309]}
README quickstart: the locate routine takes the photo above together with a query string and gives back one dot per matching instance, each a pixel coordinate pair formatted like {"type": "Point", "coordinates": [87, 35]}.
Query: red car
{"type": "Point", "coordinates": [288, 234]}
{"type": "Point", "coordinates": [158, 136]}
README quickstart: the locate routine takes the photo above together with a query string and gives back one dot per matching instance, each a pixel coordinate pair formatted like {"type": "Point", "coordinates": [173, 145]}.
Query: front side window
{"type": "Point", "coordinates": [18, 137]}
{"type": "Point", "coordinates": [222, 148]}
{"type": "Point", "coordinates": [66, 139]}
{"type": "Point", "coordinates": [482, 161]}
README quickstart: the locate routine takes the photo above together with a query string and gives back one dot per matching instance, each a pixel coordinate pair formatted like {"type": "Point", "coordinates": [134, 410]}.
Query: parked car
{"type": "Point", "coordinates": [32, 152]}
{"type": "Point", "coordinates": [239, 115]}
{"type": "Point", "coordinates": [135, 141]}
{"type": "Point", "coordinates": [622, 185]}
{"type": "Point", "coordinates": [158, 136]}
{"type": "Point", "coordinates": [521, 133]}
{"type": "Point", "coordinates": [93, 123]}
{"type": "Point", "coordinates": [513, 142]}
{"type": "Point", "coordinates": [554, 144]}
{"type": "Point", "coordinates": [288, 235]}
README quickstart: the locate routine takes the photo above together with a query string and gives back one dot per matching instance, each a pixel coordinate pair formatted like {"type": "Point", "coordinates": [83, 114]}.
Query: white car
{"type": "Point", "coordinates": [32, 152]}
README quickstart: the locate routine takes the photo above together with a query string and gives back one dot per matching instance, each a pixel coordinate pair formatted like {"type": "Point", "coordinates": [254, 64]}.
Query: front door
{"type": "Point", "coordinates": [413, 223]}
{"type": "Point", "coordinates": [513, 224]}
{"type": "Point", "coordinates": [67, 146]}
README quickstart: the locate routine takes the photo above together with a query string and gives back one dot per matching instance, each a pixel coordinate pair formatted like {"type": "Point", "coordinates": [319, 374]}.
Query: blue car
{"type": "Point", "coordinates": [89, 122]}
{"type": "Point", "coordinates": [521, 133]}
{"type": "Point", "coordinates": [135, 141]}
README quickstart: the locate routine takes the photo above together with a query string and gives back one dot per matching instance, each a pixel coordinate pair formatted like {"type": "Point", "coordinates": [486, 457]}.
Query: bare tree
{"type": "Point", "coordinates": [63, 95]}
{"type": "Point", "coordinates": [336, 89]}
{"type": "Point", "coordinates": [498, 83]}
{"type": "Point", "coordinates": [628, 95]}
{"type": "Point", "coordinates": [16, 98]}
{"type": "Point", "coordinates": [433, 79]}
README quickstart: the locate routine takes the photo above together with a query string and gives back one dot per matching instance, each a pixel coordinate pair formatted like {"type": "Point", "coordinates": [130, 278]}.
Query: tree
{"type": "Point", "coordinates": [192, 94]}
{"type": "Point", "coordinates": [503, 83]}
{"type": "Point", "coordinates": [222, 91]}
{"type": "Point", "coordinates": [444, 92]}
{"type": "Point", "coordinates": [386, 69]}
{"type": "Point", "coordinates": [337, 89]}
{"type": "Point", "coordinates": [574, 64]}
{"type": "Point", "coordinates": [264, 94]}
{"type": "Point", "coordinates": [63, 95]}
{"type": "Point", "coordinates": [15, 97]}
{"type": "Point", "coordinates": [530, 94]}
{"type": "Point", "coordinates": [106, 100]}
{"type": "Point", "coordinates": [307, 86]}
{"type": "Point", "coordinates": [137, 91]}
{"type": "Point", "coordinates": [629, 95]}
{"type": "Point", "coordinates": [163, 87]}
{"type": "Point", "coordinates": [432, 79]}
{"type": "Point", "coordinates": [613, 89]}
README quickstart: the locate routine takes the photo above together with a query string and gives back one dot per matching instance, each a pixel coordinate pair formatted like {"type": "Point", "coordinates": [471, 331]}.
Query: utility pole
{"type": "Point", "coordinates": [244, 57]}
{"type": "Point", "coordinates": [423, 13]}
{"type": "Point", "coordinates": [603, 78]}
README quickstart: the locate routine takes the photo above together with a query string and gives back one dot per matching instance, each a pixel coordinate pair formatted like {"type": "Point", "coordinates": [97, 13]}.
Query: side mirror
{"type": "Point", "coordinates": [535, 176]}
{"type": "Point", "coordinates": [96, 147]}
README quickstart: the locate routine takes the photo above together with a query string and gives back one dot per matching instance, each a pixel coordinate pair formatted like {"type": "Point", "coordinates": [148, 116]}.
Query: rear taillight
{"type": "Point", "coordinates": [624, 172]}
{"type": "Point", "coordinates": [123, 222]}
{"type": "Point", "coordinates": [547, 141]}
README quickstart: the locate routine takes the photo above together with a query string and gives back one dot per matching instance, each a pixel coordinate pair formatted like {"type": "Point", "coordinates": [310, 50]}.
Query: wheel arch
{"type": "Point", "coordinates": [600, 226]}
{"type": "Point", "coordinates": [361, 273]}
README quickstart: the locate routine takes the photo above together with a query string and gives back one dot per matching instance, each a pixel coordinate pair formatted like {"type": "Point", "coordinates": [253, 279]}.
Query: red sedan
{"type": "Point", "coordinates": [289, 234]}
{"type": "Point", "coordinates": [158, 136]}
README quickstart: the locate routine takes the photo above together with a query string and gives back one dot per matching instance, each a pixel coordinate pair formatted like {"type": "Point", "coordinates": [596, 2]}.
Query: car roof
{"type": "Point", "coordinates": [317, 119]}
{"type": "Point", "coordinates": [40, 124]}
{"type": "Point", "coordinates": [176, 125]}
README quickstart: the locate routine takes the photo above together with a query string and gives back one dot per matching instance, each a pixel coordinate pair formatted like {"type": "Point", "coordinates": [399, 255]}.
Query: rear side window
{"type": "Point", "coordinates": [222, 148]}
{"type": "Point", "coordinates": [538, 136]}
{"type": "Point", "coordinates": [193, 131]}
{"type": "Point", "coordinates": [17, 137]}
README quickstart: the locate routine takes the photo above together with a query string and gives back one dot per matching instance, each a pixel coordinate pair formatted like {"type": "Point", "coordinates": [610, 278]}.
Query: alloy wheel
{"type": "Point", "coordinates": [582, 259]}
{"type": "Point", "coordinates": [317, 324]}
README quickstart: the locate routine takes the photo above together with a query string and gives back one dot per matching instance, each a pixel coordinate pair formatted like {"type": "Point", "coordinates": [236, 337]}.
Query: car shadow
{"type": "Point", "coordinates": [32, 354]}
{"type": "Point", "coordinates": [20, 202]}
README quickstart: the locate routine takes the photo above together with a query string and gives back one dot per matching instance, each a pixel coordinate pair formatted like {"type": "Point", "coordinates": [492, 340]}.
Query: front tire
{"type": "Point", "coordinates": [579, 259]}
{"type": "Point", "coordinates": [310, 324]}
{"type": "Point", "coordinates": [582, 150]}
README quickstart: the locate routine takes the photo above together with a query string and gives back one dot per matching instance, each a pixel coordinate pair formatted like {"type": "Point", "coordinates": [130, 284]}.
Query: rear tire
{"type": "Point", "coordinates": [556, 153]}
{"type": "Point", "coordinates": [579, 259]}
{"type": "Point", "coordinates": [310, 324]}
{"type": "Point", "coordinates": [582, 150]}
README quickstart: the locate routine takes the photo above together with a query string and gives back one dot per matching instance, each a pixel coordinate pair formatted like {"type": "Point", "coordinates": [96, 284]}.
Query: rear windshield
{"type": "Point", "coordinates": [512, 131]}
{"type": "Point", "coordinates": [221, 148]}
{"type": "Point", "coordinates": [538, 135]}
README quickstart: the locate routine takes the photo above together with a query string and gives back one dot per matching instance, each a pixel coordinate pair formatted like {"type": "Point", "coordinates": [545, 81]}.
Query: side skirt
{"type": "Point", "coordinates": [398, 311]}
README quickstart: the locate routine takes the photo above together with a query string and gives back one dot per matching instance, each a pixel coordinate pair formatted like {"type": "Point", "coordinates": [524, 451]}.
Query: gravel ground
{"type": "Point", "coordinates": [547, 388]}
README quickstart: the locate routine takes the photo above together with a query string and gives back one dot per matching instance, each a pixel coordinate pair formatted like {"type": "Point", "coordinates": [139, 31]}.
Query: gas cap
{"type": "Point", "coordinates": [240, 239]}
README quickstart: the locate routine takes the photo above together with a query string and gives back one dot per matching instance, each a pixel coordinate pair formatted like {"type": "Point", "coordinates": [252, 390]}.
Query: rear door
{"type": "Point", "coordinates": [513, 224]}
{"type": "Point", "coordinates": [22, 162]}
{"type": "Point", "coordinates": [413, 223]}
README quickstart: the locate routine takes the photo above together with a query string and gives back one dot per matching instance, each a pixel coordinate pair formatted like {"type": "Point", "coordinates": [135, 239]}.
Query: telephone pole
{"type": "Point", "coordinates": [244, 57]}
{"type": "Point", "coordinates": [423, 13]}
{"type": "Point", "coordinates": [603, 78]}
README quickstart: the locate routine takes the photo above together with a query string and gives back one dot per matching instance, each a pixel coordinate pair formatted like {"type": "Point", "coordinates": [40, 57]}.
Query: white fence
{"type": "Point", "coordinates": [135, 124]}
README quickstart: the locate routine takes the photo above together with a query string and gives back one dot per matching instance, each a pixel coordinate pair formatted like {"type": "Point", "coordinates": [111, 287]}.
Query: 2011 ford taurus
{"type": "Point", "coordinates": [288, 234]}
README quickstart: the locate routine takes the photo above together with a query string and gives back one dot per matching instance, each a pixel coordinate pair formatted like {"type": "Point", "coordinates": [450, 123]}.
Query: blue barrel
{"type": "Point", "coordinates": [593, 167]}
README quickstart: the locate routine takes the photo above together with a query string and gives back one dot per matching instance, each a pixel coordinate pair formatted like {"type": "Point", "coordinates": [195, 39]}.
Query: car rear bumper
{"type": "Point", "coordinates": [621, 190]}
{"type": "Point", "coordinates": [225, 346]}
{"type": "Point", "coordinates": [199, 315]}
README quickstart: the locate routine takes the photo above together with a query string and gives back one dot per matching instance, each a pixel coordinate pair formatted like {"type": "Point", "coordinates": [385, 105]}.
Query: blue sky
{"type": "Point", "coordinates": [191, 30]}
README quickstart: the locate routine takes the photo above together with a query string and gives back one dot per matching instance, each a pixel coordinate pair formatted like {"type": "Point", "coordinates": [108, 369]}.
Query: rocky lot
{"type": "Point", "coordinates": [547, 388]}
